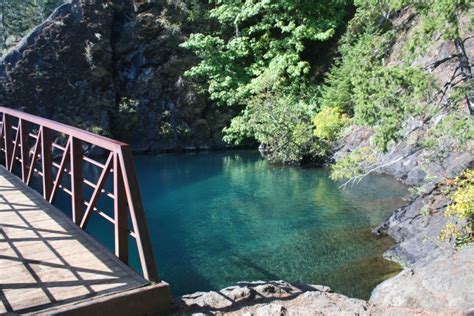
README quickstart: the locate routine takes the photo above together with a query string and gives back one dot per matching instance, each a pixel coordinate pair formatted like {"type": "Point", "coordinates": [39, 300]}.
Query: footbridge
{"type": "Point", "coordinates": [49, 264]}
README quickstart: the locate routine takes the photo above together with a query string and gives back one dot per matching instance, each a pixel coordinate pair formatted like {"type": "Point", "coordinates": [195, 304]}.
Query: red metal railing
{"type": "Point", "coordinates": [30, 141]}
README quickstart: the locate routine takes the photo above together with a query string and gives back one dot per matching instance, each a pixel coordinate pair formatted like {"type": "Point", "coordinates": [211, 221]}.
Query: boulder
{"type": "Point", "coordinates": [270, 298]}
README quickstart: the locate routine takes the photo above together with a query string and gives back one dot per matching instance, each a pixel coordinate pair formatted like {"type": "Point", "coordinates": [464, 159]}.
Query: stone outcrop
{"type": "Point", "coordinates": [103, 66]}
{"type": "Point", "coordinates": [63, 69]}
{"type": "Point", "coordinates": [437, 279]}
{"type": "Point", "coordinates": [270, 298]}
{"type": "Point", "coordinates": [282, 298]}
{"type": "Point", "coordinates": [439, 285]}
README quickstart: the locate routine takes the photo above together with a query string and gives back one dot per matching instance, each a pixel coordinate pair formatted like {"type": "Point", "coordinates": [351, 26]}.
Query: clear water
{"type": "Point", "coordinates": [219, 218]}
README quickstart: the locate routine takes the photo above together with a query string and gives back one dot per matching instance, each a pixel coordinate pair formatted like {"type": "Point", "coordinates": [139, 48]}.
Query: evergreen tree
{"type": "Point", "coordinates": [19, 17]}
{"type": "Point", "coordinates": [254, 60]}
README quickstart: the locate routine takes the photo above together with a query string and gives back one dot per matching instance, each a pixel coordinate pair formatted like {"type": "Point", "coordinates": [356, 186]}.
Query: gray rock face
{"type": "Point", "coordinates": [433, 280]}
{"type": "Point", "coordinates": [416, 229]}
{"type": "Point", "coordinates": [270, 298]}
{"type": "Point", "coordinates": [443, 284]}
{"type": "Point", "coordinates": [438, 278]}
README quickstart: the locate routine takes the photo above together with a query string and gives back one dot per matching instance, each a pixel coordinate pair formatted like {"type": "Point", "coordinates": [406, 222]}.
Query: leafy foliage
{"type": "Point", "coordinates": [351, 165]}
{"type": "Point", "coordinates": [452, 133]}
{"type": "Point", "coordinates": [256, 54]}
{"type": "Point", "coordinates": [382, 96]}
{"type": "Point", "coordinates": [374, 94]}
{"type": "Point", "coordinates": [461, 208]}
{"type": "Point", "coordinates": [437, 17]}
{"type": "Point", "coordinates": [285, 130]}
{"type": "Point", "coordinates": [329, 123]}
{"type": "Point", "coordinates": [19, 17]}
{"type": "Point", "coordinates": [386, 96]}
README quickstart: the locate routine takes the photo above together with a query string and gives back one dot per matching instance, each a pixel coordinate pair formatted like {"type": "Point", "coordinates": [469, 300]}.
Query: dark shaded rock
{"type": "Point", "coordinates": [416, 229]}
{"type": "Point", "coordinates": [167, 112]}
{"type": "Point", "coordinates": [64, 68]}
{"type": "Point", "coordinates": [102, 66]}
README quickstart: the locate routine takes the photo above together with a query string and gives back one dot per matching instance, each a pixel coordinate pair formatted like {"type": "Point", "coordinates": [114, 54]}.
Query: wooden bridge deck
{"type": "Point", "coordinates": [46, 260]}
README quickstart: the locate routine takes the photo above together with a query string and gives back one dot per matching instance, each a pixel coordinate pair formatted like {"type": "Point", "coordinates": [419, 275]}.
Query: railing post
{"type": "Point", "coordinates": [126, 191]}
{"type": "Point", "coordinates": [7, 133]}
{"type": "Point", "coordinates": [120, 213]}
{"type": "Point", "coordinates": [46, 162]}
{"type": "Point", "coordinates": [76, 181]}
{"type": "Point", "coordinates": [137, 214]}
{"type": "Point", "coordinates": [25, 149]}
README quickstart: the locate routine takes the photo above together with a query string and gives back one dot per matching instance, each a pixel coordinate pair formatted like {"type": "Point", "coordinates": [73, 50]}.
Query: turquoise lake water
{"type": "Point", "coordinates": [222, 217]}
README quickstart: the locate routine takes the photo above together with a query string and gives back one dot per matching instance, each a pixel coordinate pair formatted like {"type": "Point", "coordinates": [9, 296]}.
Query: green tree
{"type": "Point", "coordinates": [253, 61]}
{"type": "Point", "coordinates": [382, 96]}
{"type": "Point", "coordinates": [19, 17]}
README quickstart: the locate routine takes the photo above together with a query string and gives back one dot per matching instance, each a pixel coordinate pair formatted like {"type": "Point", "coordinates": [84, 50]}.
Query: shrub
{"type": "Point", "coordinates": [254, 61]}
{"type": "Point", "coordinates": [462, 208]}
{"type": "Point", "coordinates": [352, 165]}
{"type": "Point", "coordinates": [329, 123]}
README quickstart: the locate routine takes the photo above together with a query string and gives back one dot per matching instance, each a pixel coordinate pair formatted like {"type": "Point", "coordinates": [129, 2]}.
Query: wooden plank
{"type": "Point", "coordinates": [149, 300]}
{"type": "Point", "coordinates": [46, 260]}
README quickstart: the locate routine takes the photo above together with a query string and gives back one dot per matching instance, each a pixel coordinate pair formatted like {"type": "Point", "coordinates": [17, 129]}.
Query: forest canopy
{"type": "Point", "coordinates": [256, 59]}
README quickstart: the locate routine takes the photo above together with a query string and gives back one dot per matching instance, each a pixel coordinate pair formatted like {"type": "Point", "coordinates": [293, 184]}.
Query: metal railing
{"type": "Point", "coordinates": [29, 141]}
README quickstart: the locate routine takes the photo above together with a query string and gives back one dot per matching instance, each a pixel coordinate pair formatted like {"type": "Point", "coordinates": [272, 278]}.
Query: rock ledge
{"type": "Point", "coordinates": [270, 298]}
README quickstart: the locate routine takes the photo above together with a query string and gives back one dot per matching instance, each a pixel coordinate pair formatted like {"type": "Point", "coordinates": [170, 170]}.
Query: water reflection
{"type": "Point", "coordinates": [220, 218]}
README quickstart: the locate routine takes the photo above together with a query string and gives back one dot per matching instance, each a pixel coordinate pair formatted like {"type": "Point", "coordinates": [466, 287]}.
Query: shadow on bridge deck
{"type": "Point", "coordinates": [46, 261]}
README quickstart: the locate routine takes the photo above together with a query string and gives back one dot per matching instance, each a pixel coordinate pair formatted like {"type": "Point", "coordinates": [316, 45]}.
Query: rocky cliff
{"type": "Point", "coordinates": [103, 66]}
{"type": "Point", "coordinates": [437, 277]}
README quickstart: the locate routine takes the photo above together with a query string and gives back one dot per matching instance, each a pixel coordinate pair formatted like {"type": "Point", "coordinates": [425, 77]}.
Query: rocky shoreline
{"type": "Point", "coordinates": [436, 280]}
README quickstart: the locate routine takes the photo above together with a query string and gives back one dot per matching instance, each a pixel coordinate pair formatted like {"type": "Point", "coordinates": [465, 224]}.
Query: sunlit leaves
{"type": "Point", "coordinates": [254, 60]}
